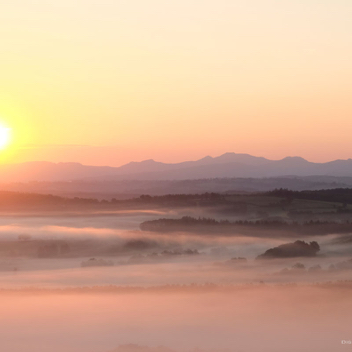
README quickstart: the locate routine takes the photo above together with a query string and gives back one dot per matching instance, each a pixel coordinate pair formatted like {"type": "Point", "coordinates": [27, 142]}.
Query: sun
{"type": "Point", "coordinates": [5, 134]}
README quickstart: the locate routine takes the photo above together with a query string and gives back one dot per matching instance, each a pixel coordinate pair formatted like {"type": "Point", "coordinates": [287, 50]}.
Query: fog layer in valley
{"type": "Point", "coordinates": [257, 318]}
{"type": "Point", "coordinates": [74, 251]}
{"type": "Point", "coordinates": [97, 283]}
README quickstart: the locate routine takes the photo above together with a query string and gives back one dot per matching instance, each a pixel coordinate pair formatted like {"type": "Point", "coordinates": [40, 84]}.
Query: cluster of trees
{"type": "Point", "coordinates": [53, 249]}
{"type": "Point", "coordinates": [187, 221]}
{"type": "Point", "coordinates": [178, 199]}
{"type": "Point", "coordinates": [25, 246]}
{"type": "Point", "coordinates": [29, 200]}
{"type": "Point", "coordinates": [182, 197]}
{"type": "Point", "coordinates": [11, 200]}
{"type": "Point", "coordinates": [338, 195]}
{"type": "Point", "coordinates": [291, 250]}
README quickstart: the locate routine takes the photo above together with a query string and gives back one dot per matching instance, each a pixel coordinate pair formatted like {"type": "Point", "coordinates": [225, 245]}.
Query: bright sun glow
{"type": "Point", "coordinates": [4, 136]}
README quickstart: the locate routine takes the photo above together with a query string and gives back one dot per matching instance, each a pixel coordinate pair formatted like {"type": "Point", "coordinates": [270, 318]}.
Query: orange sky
{"type": "Point", "coordinates": [107, 82]}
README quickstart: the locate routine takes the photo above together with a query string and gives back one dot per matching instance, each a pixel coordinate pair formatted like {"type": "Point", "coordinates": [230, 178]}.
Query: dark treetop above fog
{"type": "Point", "coordinates": [290, 250]}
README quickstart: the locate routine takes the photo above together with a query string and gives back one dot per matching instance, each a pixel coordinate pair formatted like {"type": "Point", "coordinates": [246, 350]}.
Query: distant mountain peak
{"type": "Point", "coordinates": [233, 153]}
{"type": "Point", "coordinates": [294, 159]}
{"type": "Point", "coordinates": [149, 161]}
{"type": "Point", "coordinates": [145, 162]}
{"type": "Point", "coordinates": [208, 157]}
{"type": "Point", "coordinates": [227, 165]}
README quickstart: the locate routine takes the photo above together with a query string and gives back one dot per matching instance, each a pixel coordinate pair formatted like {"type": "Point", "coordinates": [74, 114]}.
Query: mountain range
{"type": "Point", "coordinates": [228, 165]}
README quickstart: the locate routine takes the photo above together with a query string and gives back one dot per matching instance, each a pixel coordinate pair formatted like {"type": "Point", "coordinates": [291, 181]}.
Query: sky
{"type": "Point", "coordinates": [108, 82]}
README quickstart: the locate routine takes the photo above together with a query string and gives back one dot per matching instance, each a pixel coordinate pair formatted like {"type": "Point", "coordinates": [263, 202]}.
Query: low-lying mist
{"type": "Point", "coordinates": [98, 283]}
{"type": "Point", "coordinates": [59, 251]}
{"type": "Point", "coordinates": [254, 318]}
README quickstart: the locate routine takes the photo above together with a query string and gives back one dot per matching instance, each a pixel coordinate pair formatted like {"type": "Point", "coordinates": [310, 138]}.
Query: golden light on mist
{"type": "Point", "coordinates": [5, 136]}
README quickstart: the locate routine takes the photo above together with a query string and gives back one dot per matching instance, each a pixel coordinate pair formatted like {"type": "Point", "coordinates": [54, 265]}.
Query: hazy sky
{"type": "Point", "coordinates": [106, 82]}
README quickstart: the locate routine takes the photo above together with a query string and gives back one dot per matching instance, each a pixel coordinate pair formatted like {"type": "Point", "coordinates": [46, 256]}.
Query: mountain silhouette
{"type": "Point", "coordinates": [224, 166]}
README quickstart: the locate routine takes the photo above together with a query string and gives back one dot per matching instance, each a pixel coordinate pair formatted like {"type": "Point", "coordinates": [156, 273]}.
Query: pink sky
{"type": "Point", "coordinates": [175, 80]}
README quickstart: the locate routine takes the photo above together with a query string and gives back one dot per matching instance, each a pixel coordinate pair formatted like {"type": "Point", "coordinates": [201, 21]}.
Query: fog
{"type": "Point", "coordinates": [115, 285]}
{"type": "Point", "coordinates": [254, 318]}
{"type": "Point", "coordinates": [143, 258]}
